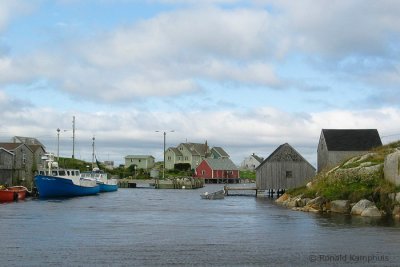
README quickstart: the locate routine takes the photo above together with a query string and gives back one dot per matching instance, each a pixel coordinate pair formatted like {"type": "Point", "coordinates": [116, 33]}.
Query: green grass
{"type": "Point", "coordinates": [246, 174]}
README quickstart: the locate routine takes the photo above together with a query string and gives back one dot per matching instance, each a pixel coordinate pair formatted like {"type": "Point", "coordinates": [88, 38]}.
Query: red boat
{"type": "Point", "coordinates": [13, 193]}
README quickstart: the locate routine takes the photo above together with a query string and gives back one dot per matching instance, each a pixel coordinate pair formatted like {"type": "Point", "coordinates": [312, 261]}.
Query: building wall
{"type": "Point", "coordinates": [170, 159]}
{"type": "Point", "coordinates": [329, 159]}
{"type": "Point", "coordinates": [23, 165]}
{"type": "Point", "coordinates": [249, 163]}
{"type": "Point", "coordinates": [6, 167]}
{"type": "Point", "coordinates": [275, 175]}
{"type": "Point", "coordinates": [141, 163]}
{"type": "Point", "coordinates": [204, 171]}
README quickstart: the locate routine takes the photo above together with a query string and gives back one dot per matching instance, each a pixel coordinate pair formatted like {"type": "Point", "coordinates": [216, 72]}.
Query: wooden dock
{"type": "Point", "coordinates": [240, 188]}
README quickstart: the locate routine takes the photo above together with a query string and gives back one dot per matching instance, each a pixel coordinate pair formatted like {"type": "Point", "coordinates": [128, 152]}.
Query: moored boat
{"type": "Point", "coordinates": [215, 195]}
{"type": "Point", "coordinates": [101, 178]}
{"type": "Point", "coordinates": [55, 182]}
{"type": "Point", "coordinates": [13, 193]}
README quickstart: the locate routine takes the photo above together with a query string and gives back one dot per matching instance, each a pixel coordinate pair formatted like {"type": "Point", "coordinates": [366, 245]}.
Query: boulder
{"type": "Point", "coordinates": [391, 168]}
{"type": "Point", "coordinates": [317, 203]}
{"type": "Point", "coordinates": [282, 198]}
{"type": "Point", "coordinates": [340, 206]}
{"type": "Point", "coordinates": [360, 206]}
{"type": "Point", "coordinates": [371, 211]}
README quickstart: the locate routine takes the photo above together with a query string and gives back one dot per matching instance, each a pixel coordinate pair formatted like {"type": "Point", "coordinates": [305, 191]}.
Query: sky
{"type": "Point", "coordinates": [247, 76]}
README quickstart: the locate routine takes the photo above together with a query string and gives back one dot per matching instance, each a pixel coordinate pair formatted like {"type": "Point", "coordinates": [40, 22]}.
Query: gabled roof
{"type": "Point", "coordinates": [34, 148]}
{"type": "Point", "coordinates": [220, 151]}
{"type": "Point", "coordinates": [285, 152]}
{"type": "Point", "coordinates": [221, 164]}
{"type": "Point", "coordinates": [196, 148]}
{"type": "Point", "coordinates": [351, 139]}
{"type": "Point", "coordinates": [259, 159]}
{"type": "Point", "coordinates": [175, 151]}
{"type": "Point", "coordinates": [12, 146]}
{"type": "Point", "coordinates": [27, 140]}
{"type": "Point", "coordinates": [5, 150]}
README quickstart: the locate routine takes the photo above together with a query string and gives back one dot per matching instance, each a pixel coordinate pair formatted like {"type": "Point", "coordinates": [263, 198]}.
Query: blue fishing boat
{"type": "Point", "coordinates": [55, 182]}
{"type": "Point", "coordinates": [101, 178]}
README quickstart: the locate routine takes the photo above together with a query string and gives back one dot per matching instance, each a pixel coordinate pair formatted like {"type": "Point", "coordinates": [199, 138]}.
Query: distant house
{"type": "Point", "coordinates": [23, 163]}
{"type": "Point", "coordinates": [6, 166]}
{"type": "Point", "coordinates": [192, 154]}
{"type": "Point", "coordinates": [38, 149]}
{"type": "Point", "coordinates": [220, 170]}
{"type": "Point", "coordinates": [337, 145]}
{"type": "Point", "coordinates": [251, 162]}
{"type": "Point", "coordinates": [141, 161]}
{"type": "Point", "coordinates": [285, 168]}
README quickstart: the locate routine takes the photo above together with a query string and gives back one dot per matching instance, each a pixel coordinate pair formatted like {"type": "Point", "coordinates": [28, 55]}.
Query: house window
{"type": "Point", "coordinates": [186, 158]}
{"type": "Point", "coordinates": [169, 158]}
{"type": "Point", "coordinates": [289, 174]}
{"type": "Point", "coordinates": [203, 172]}
{"type": "Point", "coordinates": [23, 158]}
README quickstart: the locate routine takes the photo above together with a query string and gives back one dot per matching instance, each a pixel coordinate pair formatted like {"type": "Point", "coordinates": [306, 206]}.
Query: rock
{"type": "Point", "coordinates": [282, 198]}
{"type": "Point", "coordinates": [340, 206]}
{"type": "Point", "coordinates": [391, 167]}
{"type": "Point", "coordinates": [361, 206]}
{"type": "Point", "coordinates": [371, 211]}
{"type": "Point", "coordinates": [396, 211]}
{"type": "Point", "coordinates": [317, 203]}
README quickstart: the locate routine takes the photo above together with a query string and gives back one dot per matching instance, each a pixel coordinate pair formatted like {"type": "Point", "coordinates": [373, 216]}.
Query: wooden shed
{"type": "Point", "coordinates": [337, 145]}
{"type": "Point", "coordinates": [221, 170]}
{"type": "Point", "coordinates": [285, 168]}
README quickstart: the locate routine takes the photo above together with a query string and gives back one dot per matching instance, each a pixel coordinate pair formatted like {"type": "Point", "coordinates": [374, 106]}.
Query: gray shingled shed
{"type": "Point", "coordinates": [338, 145]}
{"type": "Point", "coordinates": [285, 168]}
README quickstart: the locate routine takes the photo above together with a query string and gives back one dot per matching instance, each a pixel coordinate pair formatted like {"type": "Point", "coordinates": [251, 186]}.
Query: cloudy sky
{"type": "Point", "coordinates": [244, 75]}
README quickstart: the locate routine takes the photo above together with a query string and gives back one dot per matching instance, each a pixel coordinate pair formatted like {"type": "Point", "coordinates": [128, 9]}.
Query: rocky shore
{"type": "Point", "coordinates": [364, 207]}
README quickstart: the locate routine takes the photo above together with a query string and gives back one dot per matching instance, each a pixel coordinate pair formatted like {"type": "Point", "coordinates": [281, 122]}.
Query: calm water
{"type": "Point", "coordinates": [147, 227]}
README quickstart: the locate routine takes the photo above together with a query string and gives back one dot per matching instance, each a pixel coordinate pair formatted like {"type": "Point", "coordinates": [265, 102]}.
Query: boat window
{"type": "Point", "coordinates": [54, 173]}
{"type": "Point", "coordinates": [61, 172]}
{"type": "Point", "coordinates": [68, 173]}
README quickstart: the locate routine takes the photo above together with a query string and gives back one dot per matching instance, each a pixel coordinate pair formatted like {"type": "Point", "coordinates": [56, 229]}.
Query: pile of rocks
{"type": "Point", "coordinates": [363, 207]}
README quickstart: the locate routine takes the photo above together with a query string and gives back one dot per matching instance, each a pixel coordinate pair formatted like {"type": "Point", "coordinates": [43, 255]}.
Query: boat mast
{"type": "Point", "coordinates": [93, 153]}
{"type": "Point", "coordinates": [73, 137]}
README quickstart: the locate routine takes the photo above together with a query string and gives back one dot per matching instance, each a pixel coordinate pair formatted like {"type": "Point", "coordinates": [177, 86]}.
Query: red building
{"type": "Point", "coordinates": [221, 170]}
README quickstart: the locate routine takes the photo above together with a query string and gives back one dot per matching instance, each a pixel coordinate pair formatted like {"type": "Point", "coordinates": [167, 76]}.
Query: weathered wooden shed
{"type": "Point", "coordinates": [337, 145]}
{"type": "Point", "coordinates": [285, 168]}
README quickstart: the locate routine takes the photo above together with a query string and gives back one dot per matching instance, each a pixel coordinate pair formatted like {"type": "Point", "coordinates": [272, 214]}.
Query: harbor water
{"type": "Point", "coordinates": [149, 227]}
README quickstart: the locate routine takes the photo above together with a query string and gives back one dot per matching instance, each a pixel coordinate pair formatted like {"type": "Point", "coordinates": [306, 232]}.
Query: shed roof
{"type": "Point", "coordinates": [285, 152]}
{"type": "Point", "coordinates": [221, 164]}
{"type": "Point", "coordinates": [351, 139]}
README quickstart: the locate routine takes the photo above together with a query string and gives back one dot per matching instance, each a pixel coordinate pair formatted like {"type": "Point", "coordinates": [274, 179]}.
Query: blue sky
{"type": "Point", "coordinates": [244, 75]}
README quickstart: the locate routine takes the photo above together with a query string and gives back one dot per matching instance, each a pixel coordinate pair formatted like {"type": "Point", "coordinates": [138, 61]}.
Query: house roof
{"type": "Point", "coordinates": [221, 164]}
{"type": "Point", "coordinates": [5, 150]}
{"type": "Point", "coordinates": [259, 159]}
{"type": "Point", "coordinates": [196, 148]}
{"type": "Point", "coordinates": [220, 151]}
{"type": "Point", "coordinates": [27, 140]}
{"type": "Point", "coordinates": [175, 151]}
{"type": "Point", "coordinates": [351, 139]}
{"type": "Point", "coordinates": [34, 148]}
{"type": "Point", "coordinates": [10, 146]}
{"type": "Point", "coordinates": [285, 152]}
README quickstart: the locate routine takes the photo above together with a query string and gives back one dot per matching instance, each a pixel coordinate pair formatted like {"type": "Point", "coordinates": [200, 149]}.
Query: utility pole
{"type": "Point", "coordinates": [165, 133]}
{"type": "Point", "coordinates": [58, 144]}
